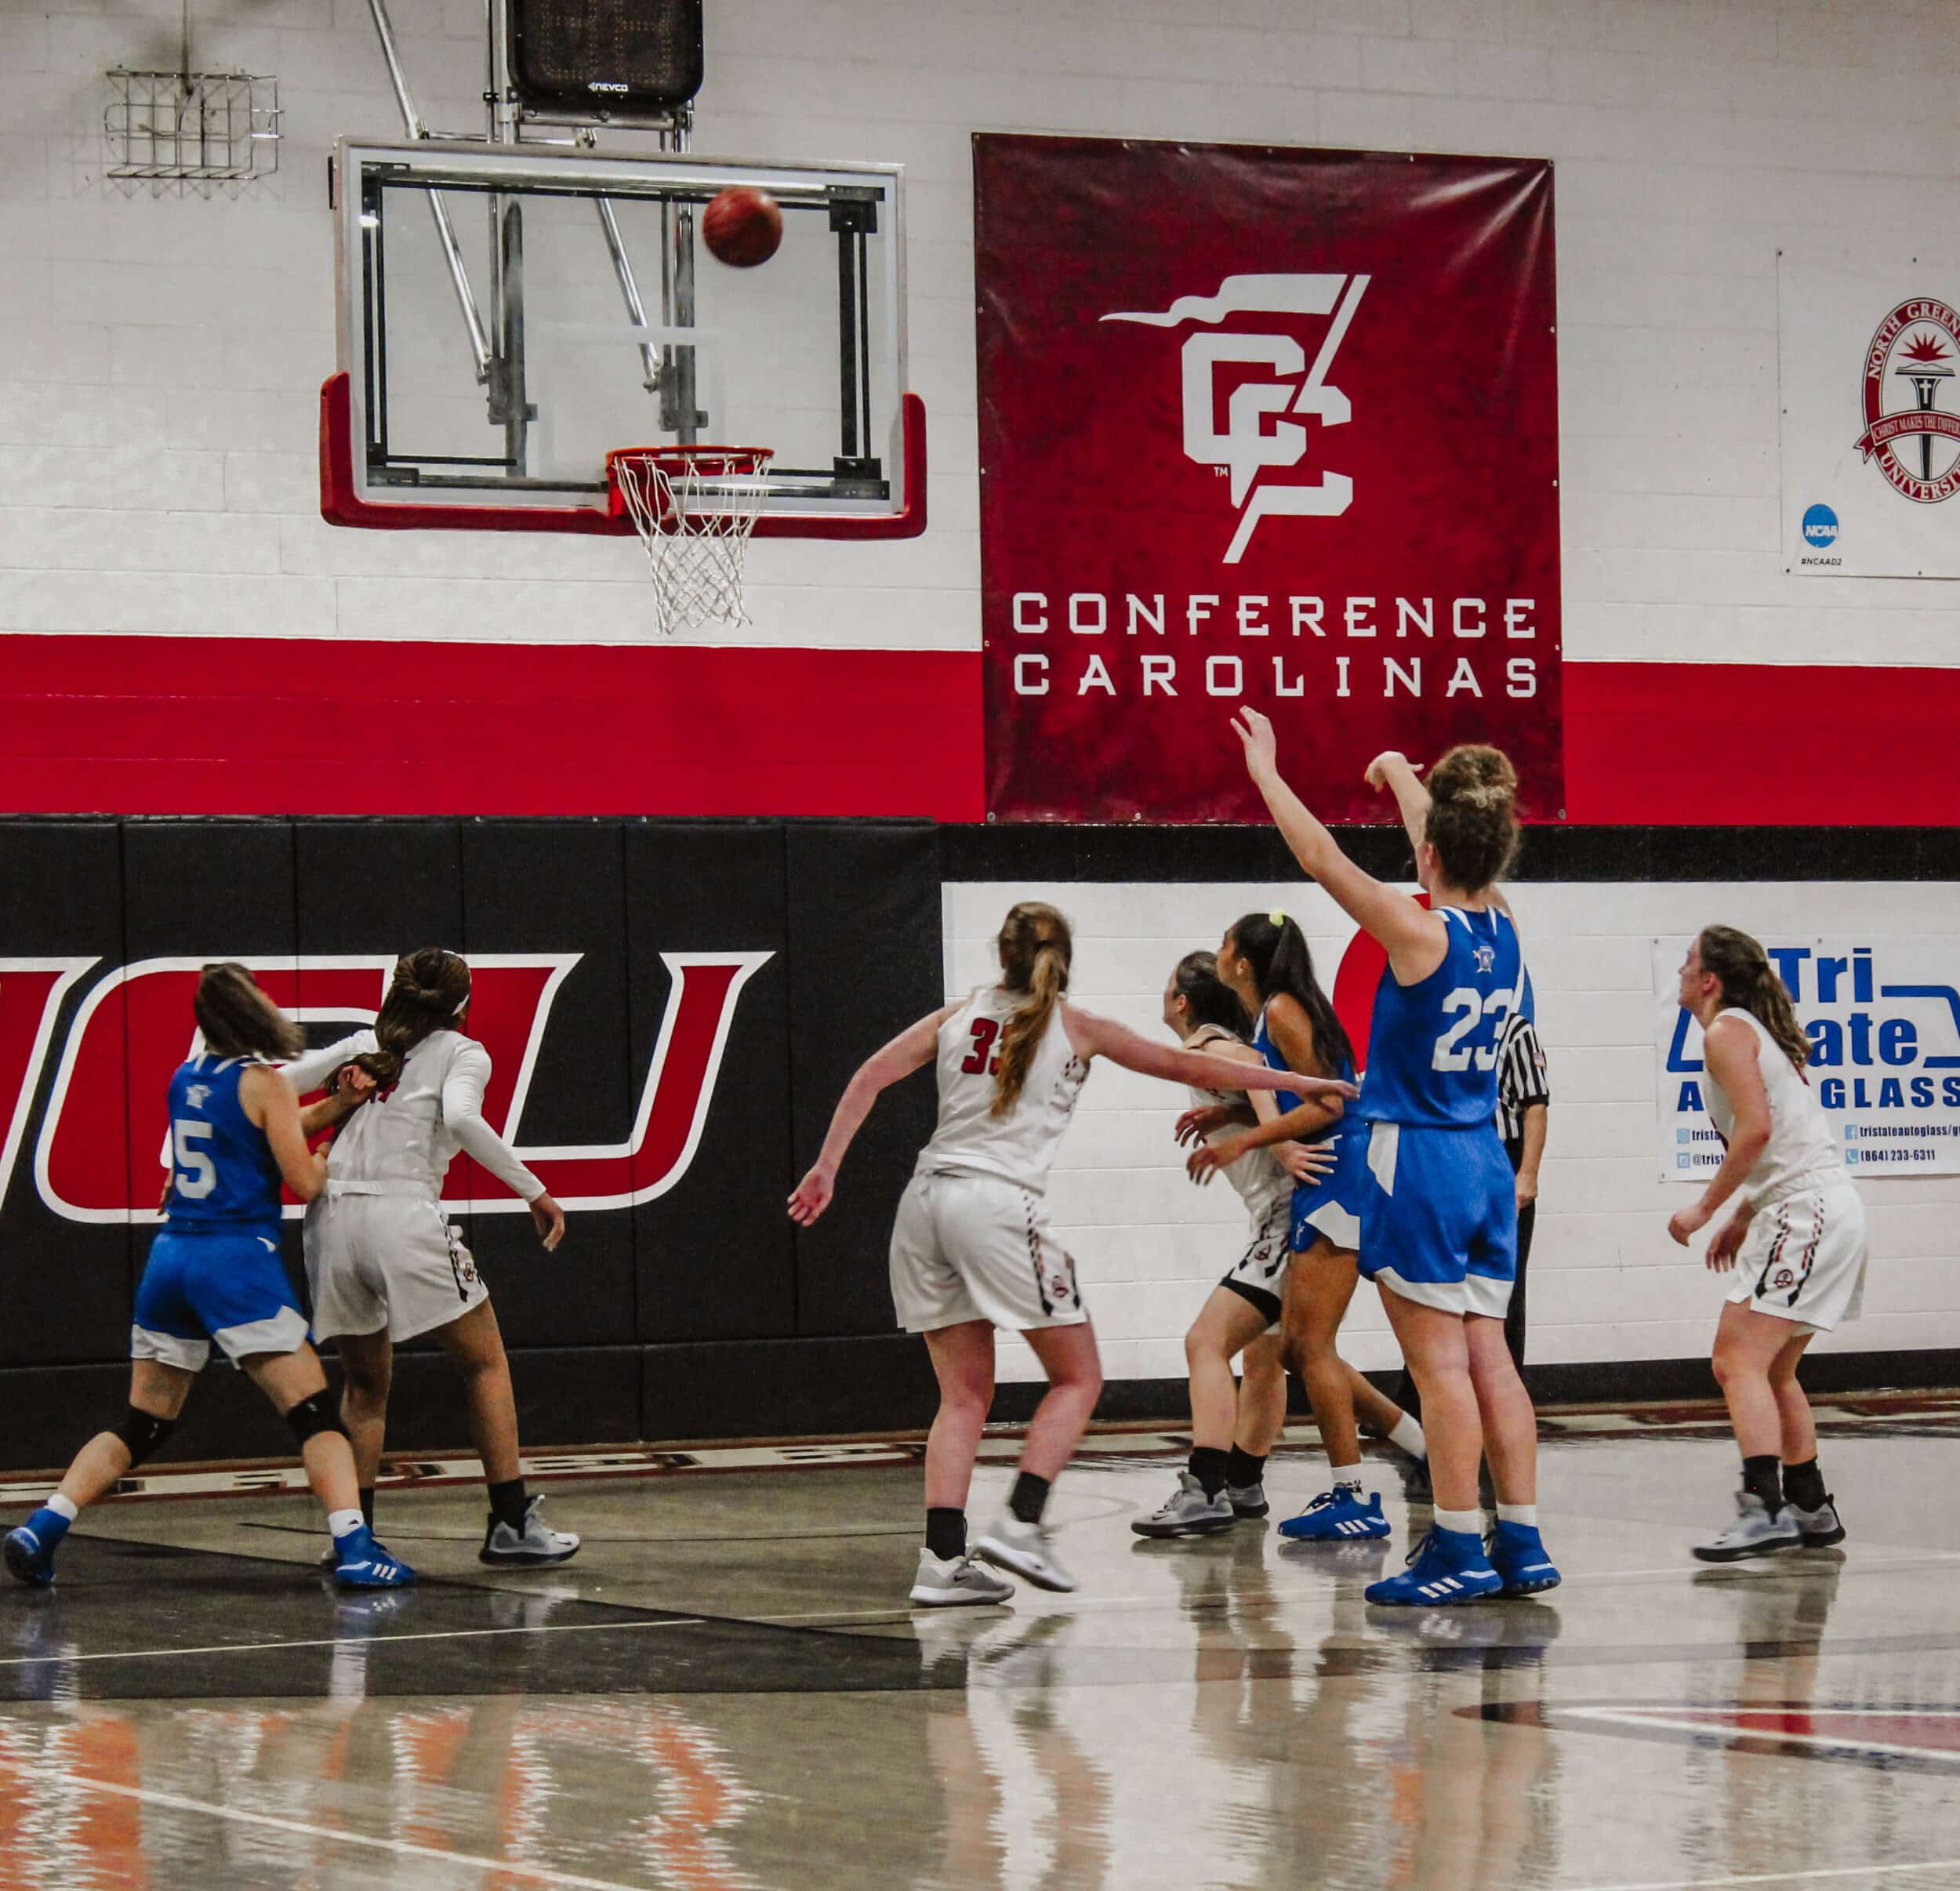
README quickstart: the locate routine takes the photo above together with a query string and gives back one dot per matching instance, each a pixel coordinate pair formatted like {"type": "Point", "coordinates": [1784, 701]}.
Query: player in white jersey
{"type": "Point", "coordinates": [384, 1264]}
{"type": "Point", "coordinates": [971, 1250]}
{"type": "Point", "coordinates": [1232, 1431]}
{"type": "Point", "coordinates": [1796, 1241]}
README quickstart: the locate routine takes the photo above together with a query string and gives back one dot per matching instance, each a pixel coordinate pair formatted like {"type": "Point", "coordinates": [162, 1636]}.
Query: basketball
{"type": "Point", "coordinates": [741, 227]}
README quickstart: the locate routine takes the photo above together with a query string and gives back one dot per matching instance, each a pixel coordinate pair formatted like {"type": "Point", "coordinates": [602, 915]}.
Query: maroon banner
{"type": "Point", "coordinates": [1266, 426]}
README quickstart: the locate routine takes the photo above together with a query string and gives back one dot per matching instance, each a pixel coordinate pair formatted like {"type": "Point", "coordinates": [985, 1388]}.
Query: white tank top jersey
{"type": "Point", "coordinates": [405, 1143]}
{"type": "Point", "coordinates": [970, 1140]}
{"type": "Point", "coordinates": [1256, 1174]}
{"type": "Point", "coordinates": [1801, 1152]}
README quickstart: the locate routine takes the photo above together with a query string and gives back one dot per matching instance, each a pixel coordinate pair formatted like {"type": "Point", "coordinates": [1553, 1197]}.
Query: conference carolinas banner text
{"type": "Point", "coordinates": [1266, 426]}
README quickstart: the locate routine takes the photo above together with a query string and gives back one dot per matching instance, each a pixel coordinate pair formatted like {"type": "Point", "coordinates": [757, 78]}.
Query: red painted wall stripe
{"type": "Point", "coordinates": [228, 725]}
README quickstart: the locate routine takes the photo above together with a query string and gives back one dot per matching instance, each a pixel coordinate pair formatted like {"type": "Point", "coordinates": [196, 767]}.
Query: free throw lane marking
{"type": "Point", "coordinates": [1820, 1875]}
{"type": "Point", "coordinates": [467, 1861]}
{"type": "Point", "coordinates": [355, 1641]}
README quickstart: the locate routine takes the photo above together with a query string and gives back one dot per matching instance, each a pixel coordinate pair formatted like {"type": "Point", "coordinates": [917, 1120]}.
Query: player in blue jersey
{"type": "Point", "coordinates": [1265, 960]}
{"type": "Point", "coordinates": [214, 1273]}
{"type": "Point", "coordinates": [1439, 1218]}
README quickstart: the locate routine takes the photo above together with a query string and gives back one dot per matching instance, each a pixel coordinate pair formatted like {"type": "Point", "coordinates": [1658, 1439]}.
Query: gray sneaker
{"type": "Point", "coordinates": [1755, 1532]}
{"type": "Point", "coordinates": [538, 1543]}
{"type": "Point", "coordinates": [1248, 1500]}
{"type": "Point", "coordinates": [1821, 1527]}
{"type": "Point", "coordinates": [1025, 1548]}
{"type": "Point", "coordinates": [1187, 1512]}
{"type": "Point", "coordinates": [956, 1583]}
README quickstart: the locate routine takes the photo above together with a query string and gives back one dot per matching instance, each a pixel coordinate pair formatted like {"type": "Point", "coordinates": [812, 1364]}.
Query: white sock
{"type": "Point", "coordinates": [1408, 1435]}
{"type": "Point", "coordinates": [64, 1507]}
{"type": "Point", "coordinates": [1518, 1513]}
{"type": "Point", "coordinates": [343, 1522]}
{"type": "Point", "coordinates": [1469, 1522]}
{"type": "Point", "coordinates": [1349, 1474]}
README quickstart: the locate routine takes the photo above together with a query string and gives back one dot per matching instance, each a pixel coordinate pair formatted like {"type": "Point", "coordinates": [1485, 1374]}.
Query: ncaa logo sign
{"type": "Point", "coordinates": [1820, 527]}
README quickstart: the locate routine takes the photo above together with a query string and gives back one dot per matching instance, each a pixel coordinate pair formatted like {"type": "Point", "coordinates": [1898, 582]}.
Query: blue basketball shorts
{"type": "Point", "coordinates": [1330, 1205]}
{"type": "Point", "coordinates": [230, 1286]}
{"type": "Point", "coordinates": [1439, 1217]}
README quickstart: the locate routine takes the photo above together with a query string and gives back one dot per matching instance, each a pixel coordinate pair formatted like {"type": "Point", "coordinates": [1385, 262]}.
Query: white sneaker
{"type": "Point", "coordinates": [1755, 1532]}
{"type": "Point", "coordinates": [956, 1582]}
{"type": "Point", "coordinates": [537, 1543]}
{"type": "Point", "coordinates": [1187, 1512]}
{"type": "Point", "coordinates": [1025, 1548]}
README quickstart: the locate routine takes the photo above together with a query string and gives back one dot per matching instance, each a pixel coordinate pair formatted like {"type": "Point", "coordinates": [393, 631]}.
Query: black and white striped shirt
{"type": "Point", "coordinates": [1521, 1077]}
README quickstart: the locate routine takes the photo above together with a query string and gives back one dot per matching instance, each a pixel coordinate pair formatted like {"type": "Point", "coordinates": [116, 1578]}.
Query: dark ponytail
{"type": "Point", "coordinates": [1277, 949]}
{"type": "Point", "coordinates": [1751, 983]}
{"type": "Point", "coordinates": [1211, 1000]}
{"type": "Point", "coordinates": [429, 989]}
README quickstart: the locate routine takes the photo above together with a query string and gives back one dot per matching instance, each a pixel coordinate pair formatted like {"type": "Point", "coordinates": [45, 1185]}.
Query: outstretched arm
{"type": "Point", "coordinates": [1393, 770]}
{"type": "Point", "coordinates": [913, 1049]}
{"type": "Point", "coordinates": [1415, 943]}
{"type": "Point", "coordinates": [270, 1104]}
{"type": "Point", "coordinates": [1091, 1036]}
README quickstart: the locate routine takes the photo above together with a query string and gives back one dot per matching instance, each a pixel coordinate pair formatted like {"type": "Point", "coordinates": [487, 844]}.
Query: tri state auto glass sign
{"type": "Point", "coordinates": [1269, 426]}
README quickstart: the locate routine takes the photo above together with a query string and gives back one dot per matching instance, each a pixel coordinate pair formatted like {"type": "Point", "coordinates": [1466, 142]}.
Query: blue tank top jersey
{"type": "Point", "coordinates": [1262, 1043]}
{"type": "Point", "coordinates": [1432, 1050]}
{"type": "Point", "coordinates": [223, 1175]}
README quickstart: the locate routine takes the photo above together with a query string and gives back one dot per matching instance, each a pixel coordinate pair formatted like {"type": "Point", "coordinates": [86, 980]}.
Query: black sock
{"type": "Point", "coordinates": [1028, 1497]}
{"type": "Point", "coordinates": [1803, 1485]}
{"type": "Point", "coordinates": [1760, 1479]}
{"type": "Point", "coordinates": [946, 1533]}
{"type": "Point", "coordinates": [1208, 1467]}
{"type": "Point", "coordinates": [1243, 1469]}
{"type": "Point", "coordinates": [507, 1504]}
{"type": "Point", "coordinates": [367, 1506]}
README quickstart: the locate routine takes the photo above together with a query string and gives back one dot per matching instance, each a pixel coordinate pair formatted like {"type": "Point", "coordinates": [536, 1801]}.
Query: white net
{"type": "Point", "coordinates": [694, 508]}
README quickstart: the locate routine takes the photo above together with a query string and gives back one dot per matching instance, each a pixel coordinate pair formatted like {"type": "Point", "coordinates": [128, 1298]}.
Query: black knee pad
{"type": "Point", "coordinates": [311, 1417]}
{"type": "Point", "coordinates": [142, 1432]}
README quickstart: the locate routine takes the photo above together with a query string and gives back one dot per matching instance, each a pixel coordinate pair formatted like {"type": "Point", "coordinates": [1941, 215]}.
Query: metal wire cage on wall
{"type": "Point", "coordinates": [196, 132]}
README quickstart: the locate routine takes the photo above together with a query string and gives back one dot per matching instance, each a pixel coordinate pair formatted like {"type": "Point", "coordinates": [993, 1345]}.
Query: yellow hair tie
{"type": "Point", "coordinates": [1278, 919]}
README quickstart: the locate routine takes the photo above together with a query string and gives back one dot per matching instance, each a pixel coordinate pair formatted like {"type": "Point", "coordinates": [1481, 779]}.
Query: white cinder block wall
{"type": "Point", "coordinates": [159, 360]}
{"type": "Point", "coordinates": [1605, 1284]}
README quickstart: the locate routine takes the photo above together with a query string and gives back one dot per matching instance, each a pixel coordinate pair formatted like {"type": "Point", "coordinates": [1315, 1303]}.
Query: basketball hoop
{"type": "Point", "coordinates": [693, 507]}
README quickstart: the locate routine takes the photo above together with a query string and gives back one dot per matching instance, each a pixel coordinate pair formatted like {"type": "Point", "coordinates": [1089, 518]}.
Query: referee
{"type": "Point", "coordinates": [1524, 1105]}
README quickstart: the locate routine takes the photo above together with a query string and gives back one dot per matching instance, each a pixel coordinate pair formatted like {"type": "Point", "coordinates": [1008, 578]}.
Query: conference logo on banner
{"type": "Point", "coordinates": [1870, 362]}
{"type": "Point", "coordinates": [1883, 1019]}
{"type": "Point", "coordinates": [1275, 427]}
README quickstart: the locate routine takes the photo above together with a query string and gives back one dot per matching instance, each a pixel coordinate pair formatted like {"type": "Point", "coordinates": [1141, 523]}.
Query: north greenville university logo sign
{"type": "Point", "coordinates": [1911, 357]}
{"type": "Point", "coordinates": [1258, 438]}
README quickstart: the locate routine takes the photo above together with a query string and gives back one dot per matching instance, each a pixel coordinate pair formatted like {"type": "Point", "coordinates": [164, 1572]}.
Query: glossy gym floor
{"type": "Point", "coordinates": [726, 1690]}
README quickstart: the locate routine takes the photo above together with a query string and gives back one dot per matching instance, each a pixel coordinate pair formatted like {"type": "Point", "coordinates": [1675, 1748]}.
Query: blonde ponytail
{"type": "Point", "coordinates": [1036, 946]}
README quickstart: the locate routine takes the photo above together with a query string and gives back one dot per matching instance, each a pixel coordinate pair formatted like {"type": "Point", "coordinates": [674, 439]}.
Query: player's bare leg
{"type": "Point", "coordinates": [1749, 1362]}
{"type": "Point", "coordinates": [1019, 1541]}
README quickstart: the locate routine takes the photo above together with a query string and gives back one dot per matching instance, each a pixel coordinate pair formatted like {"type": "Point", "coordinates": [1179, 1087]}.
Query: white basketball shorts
{"type": "Point", "coordinates": [1259, 1276]}
{"type": "Point", "coordinates": [978, 1247]}
{"type": "Point", "coordinates": [392, 1261]}
{"type": "Point", "coordinates": [1803, 1258]}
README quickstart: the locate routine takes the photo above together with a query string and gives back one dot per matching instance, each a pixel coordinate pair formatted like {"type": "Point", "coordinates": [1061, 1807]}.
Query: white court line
{"type": "Point", "coordinates": [1777, 1878]}
{"type": "Point", "coordinates": [468, 1861]}
{"type": "Point", "coordinates": [352, 1641]}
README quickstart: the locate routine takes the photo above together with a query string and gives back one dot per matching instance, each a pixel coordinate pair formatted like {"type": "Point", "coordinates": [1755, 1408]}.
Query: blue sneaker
{"type": "Point", "coordinates": [362, 1563]}
{"type": "Point", "coordinates": [30, 1549]}
{"type": "Point", "coordinates": [1447, 1566]}
{"type": "Point", "coordinates": [1517, 1553]}
{"type": "Point", "coordinates": [1338, 1516]}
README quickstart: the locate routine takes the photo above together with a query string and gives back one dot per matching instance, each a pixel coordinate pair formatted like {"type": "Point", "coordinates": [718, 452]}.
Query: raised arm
{"type": "Point", "coordinates": [463, 1089]}
{"type": "Point", "coordinates": [1415, 939]}
{"type": "Point", "coordinates": [268, 1101]}
{"type": "Point", "coordinates": [1092, 1035]}
{"type": "Point", "coordinates": [311, 1070]}
{"type": "Point", "coordinates": [913, 1049]}
{"type": "Point", "coordinates": [1393, 770]}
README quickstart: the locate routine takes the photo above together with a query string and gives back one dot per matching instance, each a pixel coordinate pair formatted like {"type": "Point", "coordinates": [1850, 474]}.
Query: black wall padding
{"type": "Point", "coordinates": [543, 886]}
{"type": "Point", "coordinates": [866, 919]}
{"type": "Point", "coordinates": [787, 1388]}
{"type": "Point", "coordinates": [714, 1251]}
{"type": "Point", "coordinates": [64, 1285]}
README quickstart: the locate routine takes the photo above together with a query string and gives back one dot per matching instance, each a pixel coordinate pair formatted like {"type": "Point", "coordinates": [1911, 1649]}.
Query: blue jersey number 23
{"type": "Point", "coordinates": [1470, 1008]}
